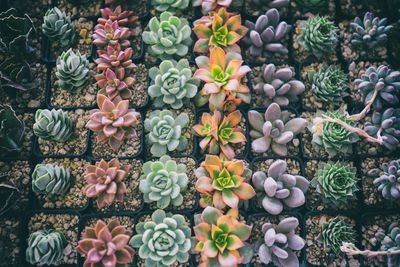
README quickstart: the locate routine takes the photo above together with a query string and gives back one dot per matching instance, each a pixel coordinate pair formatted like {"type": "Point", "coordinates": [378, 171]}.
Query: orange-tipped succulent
{"type": "Point", "coordinates": [223, 183]}
{"type": "Point", "coordinates": [105, 182]}
{"type": "Point", "coordinates": [225, 31]}
{"type": "Point", "coordinates": [219, 132]}
{"type": "Point", "coordinates": [222, 74]}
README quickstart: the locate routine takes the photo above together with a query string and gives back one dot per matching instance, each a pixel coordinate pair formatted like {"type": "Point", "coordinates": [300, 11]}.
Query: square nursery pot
{"type": "Point", "coordinates": [10, 239]}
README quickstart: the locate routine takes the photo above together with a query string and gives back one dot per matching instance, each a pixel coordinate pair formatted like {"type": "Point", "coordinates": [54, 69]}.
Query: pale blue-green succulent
{"type": "Point", "coordinates": [50, 178]}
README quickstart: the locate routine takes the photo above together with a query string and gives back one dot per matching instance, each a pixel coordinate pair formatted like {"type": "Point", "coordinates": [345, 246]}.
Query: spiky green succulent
{"type": "Point", "coordinates": [12, 131]}
{"type": "Point", "coordinates": [336, 231]}
{"type": "Point", "coordinates": [51, 179]}
{"type": "Point", "coordinates": [54, 125]}
{"type": "Point", "coordinates": [169, 5]}
{"type": "Point", "coordinates": [72, 70]}
{"type": "Point", "coordinates": [57, 26]}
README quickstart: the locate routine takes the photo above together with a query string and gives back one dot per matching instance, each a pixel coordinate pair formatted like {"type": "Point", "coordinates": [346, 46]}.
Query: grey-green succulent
{"type": "Point", "coordinates": [336, 231]}
{"type": "Point", "coordinates": [45, 247]}
{"type": "Point", "coordinates": [12, 131]}
{"type": "Point", "coordinates": [163, 182]}
{"type": "Point", "coordinates": [72, 70]}
{"type": "Point", "coordinates": [54, 125]}
{"type": "Point", "coordinates": [51, 179]}
{"type": "Point", "coordinates": [162, 241]}
{"type": "Point", "coordinates": [387, 179]}
{"type": "Point", "coordinates": [390, 241]}
{"type": "Point", "coordinates": [172, 84]}
{"type": "Point", "coordinates": [169, 5]}
{"type": "Point", "coordinates": [57, 26]}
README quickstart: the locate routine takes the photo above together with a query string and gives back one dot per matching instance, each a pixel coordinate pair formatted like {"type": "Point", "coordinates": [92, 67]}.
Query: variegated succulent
{"type": "Point", "coordinates": [210, 5]}
{"type": "Point", "coordinates": [53, 125]}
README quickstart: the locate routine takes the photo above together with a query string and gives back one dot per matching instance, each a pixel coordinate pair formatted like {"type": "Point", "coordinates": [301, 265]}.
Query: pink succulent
{"type": "Point", "coordinates": [210, 5]}
{"type": "Point", "coordinates": [114, 57]}
{"type": "Point", "coordinates": [124, 18]}
{"type": "Point", "coordinates": [111, 33]}
{"type": "Point", "coordinates": [114, 84]}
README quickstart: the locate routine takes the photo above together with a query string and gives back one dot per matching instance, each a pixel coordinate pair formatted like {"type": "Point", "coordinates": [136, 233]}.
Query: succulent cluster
{"type": "Point", "coordinates": [335, 232]}
{"type": "Point", "coordinates": [278, 189]}
{"type": "Point", "coordinates": [9, 194]}
{"type": "Point", "coordinates": [45, 247]}
{"type": "Point", "coordinates": [210, 5]}
{"type": "Point", "coordinates": [115, 85]}
{"type": "Point", "coordinates": [54, 125]}
{"type": "Point", "coordinates": [111, 33]}
{"type": "Point", "coordinates": [275, 130]}
{"type": "Point", "coordinates": [387, 179]}
{"type": "Point", "coordinates": [72, 70]}
{"type": "Point", "coordinates": [57, 26]}
{"type": "Point", "coordinates": [51, 179]}
{"type": "Point", "coordinates": [163, 182]}
{"type": "Point", "coordinates": [12, 131]}
{"type": "Point", "coordinates": [170, 5]}
{"type": "Point", "coordinates": [390, 242]}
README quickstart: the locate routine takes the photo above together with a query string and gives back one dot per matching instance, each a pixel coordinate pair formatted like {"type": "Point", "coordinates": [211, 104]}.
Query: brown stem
{"type": "Point", "coordinates": [351, 250]}
{"type": "Point", "coordinates": [367, 108]}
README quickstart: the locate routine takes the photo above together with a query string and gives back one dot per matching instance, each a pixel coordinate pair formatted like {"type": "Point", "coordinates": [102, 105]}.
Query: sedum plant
{"type": "Point", "coordinates": [54, 125]}
{"type": "Point", "coordinates": [169, 5]}
{"type": "Point", "coordinates": [163, 182]}
{"type": "Point", "coordinates": [266, 35]}
{"type": "Point", "coordinates": [12, 131]}
{"type": "Point", "coordinates": [72, 70]}
{"type": "Point", "coordinates": [387, 179]}
{"type": "Point", "coordinates": [335, 232]}
{"type": "Point", "coordinates": [172, 84]}
{"type": "Point", "coordinates": [223, 183]}
{"type": "Point", "coordinates": [46, 247]}
{"type": "Point", "coordinates": [336, 183]}
{"type": "Point", "coordinates": [220, 239]}
{"type": "Point", "coordinates": [51, 179]}
{"type": "Point", "coordinates": [106, 245]}
{"type": "Point", "coordinates": [219, 132]}
{"type": "Point", "coordinates": [167, 37]}
{"type": "Point", "coordinates": [9, 194]}
{"type": "Point", "coordinates": [164, 132]}
{"type": "Point", "coordinates": [222, 74]}
{"type": "Point", "coordinates": [281, 243]}
{"type": "Point", "coordinates": [277, 189]}
{"type": "Point", "coordinates": [105, 182]}
{"type": "Point", "coordinates": [275, 130]}
{"type": "Point", "coordinates": [113, 122]}
{"type": "Point", "coordinates": [163, 241]}
{"type": "Point", "coordinates": [278, 85]}
{"type": "Point", "coordinates": [57, 26]}
{"type": "Point", "coordinates": [210, 5]}
{"type": "Point", "coordinates": [318, 36]}
{"type": "Point", "coordinates": [111, 33]}
{"type": "Point", "coordinates": [115, 85]}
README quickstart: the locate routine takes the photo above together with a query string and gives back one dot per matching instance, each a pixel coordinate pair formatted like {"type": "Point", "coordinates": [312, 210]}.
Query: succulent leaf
{"type": "Point", "coordinates": [45, 247]}
{"type": "Point", "coordinates": [72, 70]}
{"type": "Point", "coordinates": [169, 5]}
{"type": "Point", "coordinates": [388, 182]}
{"type": "Point", "coordinates": [51, 179]}
{"type": "Point", "coordinates": [57, 26]}
{"type": "Point", "coordinates": [336, 231]}
{"type": "Point", "coordinates": [53, 125]}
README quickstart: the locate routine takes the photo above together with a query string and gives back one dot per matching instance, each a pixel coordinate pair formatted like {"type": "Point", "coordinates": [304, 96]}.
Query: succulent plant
{"type": "Point", "coordinates": [222, 74]}
{"type": "Point", "coordinates": [105, 182]}
{"type": "Point", "coordinates": [12, 131]}
{"type": "Point", "coordinates": [9, 194]}
{"type": "Point", "coordinates": [106, 245]}
{"type": "Point", "coordinates": [219, 132]}
{"type": "Point", "coordinates": [280, 243]}
{"type": "Point", "coordinates": [265, 36]}
{"type": "Point", "coordinates": [72, 70]}
{"type": "Point", "coordinates": [51, 179]}
{"type": "Point", "coordinates": [172, 84]}
{"type": "Point", "coordinates": [53, 125]}
{"type": "Point", "coordinates": [115, 85]}
{"type": "Point", "coordinates": [387, 179]}
{"type": "Point", "coordinates": [163, 182]}
{"type": "Point", "coordinates": [16, 75]}
{"type": "Point", "coordinates": [274, 130]}
{"type": "Point", "coordinates": [111, 33]}
{"type": "Point", "coordinates": [169, 5]}
{"type": "Point", "coordinates": [277, 189]}
{"type": "Point", "coordinates": [318, 36]}
{"type": "Point", "coordinates": [221, 238]}
{"type": "Point", "coordinates": [124, 18]}
{"type": "Point", "coordinates": [278, 85]}
{"type": "Point", "coordinates": [271, 3]}
{"type": "Point", "coordinates": [162, 241]}
{"type": "Point", "coordinates": [336, 182]}
{"type": "Point", "coordinates": [168, 37]}
{"type": "Point", "coordinates": [390, 242]}
{"type": "Point", "coordinates": [329, 84]}
{"type": "Point", "coordinates": [115, 58]}
{"type": "Point", "coordinates": [225, 31]}
{"type": "Point", "coordinates": [223, 183]}
{"type": "Point", "coordinates": [335, 232]}
{"type": "Point", "coordinates": [113, 122]}
{"type": "Point", "coordinates": [57, 26]}
{"type": "Point", "coordinates": [210, 5]}
{"type": "Point", "coordinates": [45, 247]}
{"type": "Point", "coordinates": [164, 132]}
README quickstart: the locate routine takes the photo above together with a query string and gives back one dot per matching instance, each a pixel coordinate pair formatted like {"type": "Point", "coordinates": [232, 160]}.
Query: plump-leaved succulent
{"type": "Point", "coordinates": [12, 131]}
{"type": "Point", "coordinates": [219, 132]}
{"type": "Point", "coordinates": [275, 130]}
{"type": "Point", "coordinates": [390, 241]}
{"type": "Point", "coordinates": [45, 247]}
{"type": "Point", "coordinates": [210, 5]}
{"type": "Point", "coordinates": [271, 3]}
{"type": "Point", "coordinates": [221, 238]}
{"type": "Point", "coordinates": [72, 70]}
{"type": "Point", "coordinates": [278, 189]}
{"type": "Point", "coordinates": [124, 17]}
{"type": "Point", "coordinates": [281, 243]}
{"type": "Point", "coordinates": [106, 245]}
{"type": "Point", "coordinates": [53, 125]}
{"type": "Point", "coordinates": [163, 182]}
{"type": "Point", "coordinates": [57, 26]}
{"type": "Point", "coordinates": [115, 84]}
{"type": "Point", "coordinates": [172, 84]}
{"type": "Point", "coordinates": [51, 179]}
{"type": "Point", "coordinates": [9, 194]}
{"type": "Point", "coordinates": [111, 33]}
{"type": "Point", "coordinates": [318, 36]}
{"type": "Point", "coordinates": [167, 37]}
{"type": "Point", "coordinates": [105, 182]}
{"type": "Point", "coordinates": [336, 231]}
{"type": "Point", "coordinates": [164, 132]}
{"type": "Point", "coordinates": [164, 240]}
{"type": "Point", "coordinates": [387, 179]}
{"type": "Point", "coordinates": [169, 5]}
{"type": "Point", "coordinates": [223, 183]}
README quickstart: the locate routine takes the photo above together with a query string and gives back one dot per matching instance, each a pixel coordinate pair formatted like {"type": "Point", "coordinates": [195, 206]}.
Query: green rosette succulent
{"type": "Point", "coordinates": [51, 179]}
{"type": "Point", "coordinates": [12, 131]}
{"type": "Point", "coordinates": [173, 84]}
{"type": "Point", "coordinates": [169, 5]}
{"type": "Point", "coordinates": [164, 132]}
{"type": "Point", "coordinates": [54, 125]}
{"type": "Point", "coordinates": [163, 182]}
{"type": "Point", "coordinates": [168, 37]}
{"type": "Point", "coordinates": [72, 70]}
{"type": "Point", "coordinates": [57, 26]}
{"type": "Point", "coordinates": [45, 247]}
{"type": "Point", "coordinates": [162, 241]}
{"type": "Point", "coordinates": [336, 231]}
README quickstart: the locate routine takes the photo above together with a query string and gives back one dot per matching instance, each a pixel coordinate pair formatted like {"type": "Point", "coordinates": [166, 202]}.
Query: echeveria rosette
{"type": "Point", "coordinates": [115, 57]}
{"type": "Point", "coordinates": [51, 179]}
{"type": "Point", "coordinates": [124, 17]}
{"type": "Point", "coordinates": [163, 241]}
{"type": "Point", "coordinates": [387, 179]}
{"type": "Point", "coordinates": [168, 37]}
{"type": "Point", "coordinates": [164, 132]}
{"type": "Point", "coordinates": [172, 84]}
{"type": "Point", "coordinates": [12, 131]}
{"type": "Point", "coordinates": [278, 190]}
{"type": "Point", "coordinates": [72, 70]}
{"type": "Point", "coordinates": [111, 33]}
{"type": "Point", "coordinates": [210, 5]}
{"type": "Point", "coordinates": [169, 5]}
{"type": "Point", "coordinates": [335, 232]}
{"type": "Point", "coordinates": [223, 183]}
{"type": "Point", "coordinates": [115, 84]}
{"type": "Point", "coordinates": [53, 125]}
{"type": "Point", "coordinates": [222, 74]}
{"type": "Point", "coordinates": [163, 182]}
{"type": "Point", "coordinates": [57, 26]}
